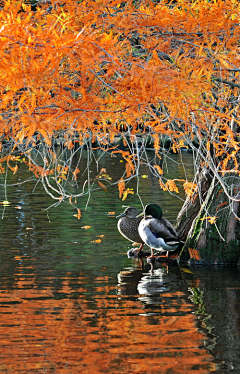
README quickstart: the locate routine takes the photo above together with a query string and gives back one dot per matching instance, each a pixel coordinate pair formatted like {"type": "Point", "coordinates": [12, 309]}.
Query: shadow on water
{"type": "Point", "coordinates": [69, 304]}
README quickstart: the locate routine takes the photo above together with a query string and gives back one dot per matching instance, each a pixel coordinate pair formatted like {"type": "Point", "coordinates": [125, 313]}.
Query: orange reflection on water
{"type": "Point", "coordinates": [73, 325]}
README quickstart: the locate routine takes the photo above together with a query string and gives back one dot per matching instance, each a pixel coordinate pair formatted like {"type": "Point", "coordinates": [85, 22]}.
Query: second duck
{"type": "Point", "coordinates": [128, 227]}
{"type": "Point", "coordinates": [157, 232]}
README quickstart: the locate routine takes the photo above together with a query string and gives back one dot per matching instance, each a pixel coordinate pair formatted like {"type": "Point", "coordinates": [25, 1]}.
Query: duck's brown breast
{"type": "Point", "coordinates": [128, 227]}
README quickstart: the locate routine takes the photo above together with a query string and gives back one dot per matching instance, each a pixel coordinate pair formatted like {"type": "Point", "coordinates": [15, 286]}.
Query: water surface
{"type": "Point", "coordinates": [69, 304]}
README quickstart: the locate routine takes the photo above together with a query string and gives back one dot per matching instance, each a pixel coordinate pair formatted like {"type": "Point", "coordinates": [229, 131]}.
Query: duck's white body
{"type": "Point", "coordinates": [146, 229]}
{"type": "Point", "coordinates": [157, 232]}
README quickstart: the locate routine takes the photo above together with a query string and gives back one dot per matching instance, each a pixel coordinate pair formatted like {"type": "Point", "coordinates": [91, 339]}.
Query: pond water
{"type": "Point", "coordinates": [69, 304]}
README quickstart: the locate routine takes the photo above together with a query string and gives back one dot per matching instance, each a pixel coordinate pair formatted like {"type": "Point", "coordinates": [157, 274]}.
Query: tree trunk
{"type": "Point", "coordinates": [205, 242]}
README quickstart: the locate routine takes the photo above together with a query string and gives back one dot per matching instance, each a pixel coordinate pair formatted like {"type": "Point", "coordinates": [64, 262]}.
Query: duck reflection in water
{"type": "Point", "coordinates": [150, 282]}
{"type": "Point", "coordinates": [154, 284]}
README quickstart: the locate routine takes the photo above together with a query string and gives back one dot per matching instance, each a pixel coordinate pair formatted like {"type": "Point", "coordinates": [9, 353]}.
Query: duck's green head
{"type": "Point", "coordinates": [153, 210]}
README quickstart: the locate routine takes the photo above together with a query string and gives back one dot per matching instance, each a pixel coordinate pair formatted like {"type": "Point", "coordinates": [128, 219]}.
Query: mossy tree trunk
{"type": "Point", "coordinates": [208, 242]}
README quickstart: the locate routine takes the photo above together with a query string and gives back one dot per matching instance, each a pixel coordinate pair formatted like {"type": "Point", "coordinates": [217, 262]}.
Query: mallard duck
{"type": "Point", "coordinates": [128, 226]}
{"type": "Point", "coordinates": [157, 232]}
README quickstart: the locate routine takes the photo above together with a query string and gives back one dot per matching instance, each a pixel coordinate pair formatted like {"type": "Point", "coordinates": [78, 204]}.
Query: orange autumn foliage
{"type": "Point", "coordinates": [96, 70]}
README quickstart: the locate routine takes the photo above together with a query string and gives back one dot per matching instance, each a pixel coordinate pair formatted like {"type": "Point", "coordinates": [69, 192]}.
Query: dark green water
{"type": "Point", "coordinates": [71, 305]}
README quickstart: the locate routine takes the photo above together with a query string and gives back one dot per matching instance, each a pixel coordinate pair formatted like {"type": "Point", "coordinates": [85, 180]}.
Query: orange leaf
{"type": "Point", "coordinates": [75, 173]}
{"type": "Point", "coordinates": [130, 168]}
{"type": "Point", "coordinates": [127, 192]}
{"type": "Point", "coordinates": [102, 186]}
{"type": "Point", "coordinates": [17, 258]}
{"type": "Point", "coordinates": [210, 219]}
{"type": "Point", "coordinates": [160, 170]}
{"type": "Point", "coordinates": [220, 205]}
{"type": "Point", "coordinates": [14, 169]}
{"type": "Point", "coordinates": [121, 187]}
{"type": "Point", "coordinates": [189, 188]}
{"type": "Point", "coordinates": [162, 185]}
{"type": "Point", "coordinates": [86, 227]}
{"type": "Point", "coordinates": [170, 184]}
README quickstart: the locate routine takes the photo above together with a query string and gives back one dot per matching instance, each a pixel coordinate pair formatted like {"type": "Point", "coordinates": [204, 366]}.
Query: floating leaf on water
{"type": "Point", "coordinates": [86, 227]}
{"type": "Point", "coordinates": [17, 258]}
{"type": "Point", "coordinates": [144, 176]}
{"type": "Point", "coordinates": [6, 203]}
{"type": "Point", "coordinates": [29, 228]}
{"type": "Point", "coordinates": [18, 207]}
{"type": "Point", "coordinates": [187, 270]}
{"type": "Point", "coordinates": [79, 215]}
{"type": "Point", "coordinates": [111, 213]}
{"type": "Point", "coordinates": [100, 236]}
{"type": "Point", "coordinates": [96, 241]}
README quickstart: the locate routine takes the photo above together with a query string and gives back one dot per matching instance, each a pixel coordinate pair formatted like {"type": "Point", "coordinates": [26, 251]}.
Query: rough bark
{"type": "Point", "coordinates": [192, 206]}
{"type": "Point", "coordinates": [206, 243]}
